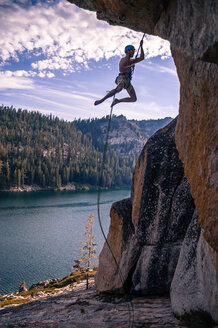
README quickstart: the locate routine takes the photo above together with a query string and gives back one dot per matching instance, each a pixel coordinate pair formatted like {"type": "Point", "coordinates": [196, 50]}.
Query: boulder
{"type": "Point", "coordinates": [194, 287]}
{"type": "Point", "coordinates": [40, 294]}
{"type": "Point", "coordinates": [23, 287]}
{"type": "Point", "coordinates": [44, 283]}
{"type": "Point", "coordinates": [119, 253]}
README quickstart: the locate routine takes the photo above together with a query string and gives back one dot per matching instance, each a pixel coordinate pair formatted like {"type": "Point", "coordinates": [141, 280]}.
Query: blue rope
{"type": "Point", "coordinates": [133, 68]}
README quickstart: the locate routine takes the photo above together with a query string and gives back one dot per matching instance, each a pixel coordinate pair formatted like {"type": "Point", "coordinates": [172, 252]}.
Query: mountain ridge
{"type": "Point", "coordinates": [46, 152]}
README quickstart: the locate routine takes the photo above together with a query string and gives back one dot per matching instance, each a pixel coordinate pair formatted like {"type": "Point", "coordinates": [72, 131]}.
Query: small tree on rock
{"type": "Point", "coordinates": [88, 251]}
{"type": "Point", "coordinates": [77, 266]}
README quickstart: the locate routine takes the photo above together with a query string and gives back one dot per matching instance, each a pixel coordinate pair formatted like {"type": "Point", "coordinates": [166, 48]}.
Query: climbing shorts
{"type": "Point", "coordinates": [126, 79]}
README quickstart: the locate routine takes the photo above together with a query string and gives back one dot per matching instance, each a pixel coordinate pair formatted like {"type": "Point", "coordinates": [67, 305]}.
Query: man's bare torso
{"type": "Point", "coordinates": [123, 63]}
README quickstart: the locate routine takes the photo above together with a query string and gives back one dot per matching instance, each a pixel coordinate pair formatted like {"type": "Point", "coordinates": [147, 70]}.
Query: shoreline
{"type": "Point", "coordinates": [35, 188]}
{"type": "Point", "coordinates": [49, 287]}
{"type": "Point", "coordinates": [68, 187]}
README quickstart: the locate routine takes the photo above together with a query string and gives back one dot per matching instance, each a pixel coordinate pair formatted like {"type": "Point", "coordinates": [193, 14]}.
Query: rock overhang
{"type": "Point", "coordinates": [190, 26]}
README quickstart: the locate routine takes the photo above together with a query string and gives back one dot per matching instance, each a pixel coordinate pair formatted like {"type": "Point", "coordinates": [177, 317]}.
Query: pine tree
{"type": "Point", "coordinates": [87, 252]}
{"type": "Point", "coordinates": [77, 266]}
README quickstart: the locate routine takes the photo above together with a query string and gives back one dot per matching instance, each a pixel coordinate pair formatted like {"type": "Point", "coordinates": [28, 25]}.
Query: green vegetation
{"type": "Point", "coordinates": [49, 289]}
{"type": "Point", "coordinates": [43, 150]}
{"type": "Point", "coordinates": [13, 301]}
{"type": "Point", "coordinates": [48, 152]}
{"type": "Point", "coordinates": [140, 131]}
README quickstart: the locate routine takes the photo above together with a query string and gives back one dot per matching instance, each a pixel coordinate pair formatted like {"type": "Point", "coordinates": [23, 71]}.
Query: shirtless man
{"type": "Point", "coordinates": [123, 80]}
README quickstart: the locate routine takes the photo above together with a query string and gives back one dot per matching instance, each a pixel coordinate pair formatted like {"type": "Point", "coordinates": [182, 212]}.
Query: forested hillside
{"type": "Point", "coordinates": [126, 136]}
{"type": "Point", "coordinates": [48, 152]}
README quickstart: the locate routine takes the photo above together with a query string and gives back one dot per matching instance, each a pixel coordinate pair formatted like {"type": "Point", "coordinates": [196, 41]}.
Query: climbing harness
{"type": "Point", "coordinates": [130, 307]}
{"type": "Point", "coordinates": [127, 78]}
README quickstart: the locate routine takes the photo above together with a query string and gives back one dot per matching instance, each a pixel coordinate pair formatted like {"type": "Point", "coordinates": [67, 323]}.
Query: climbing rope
{"type": "Point", "coordinates": [100, 186]}
{"type": "Point", "coordinates": [130, 306]}
{"type": "Point", "coordinates": [133, 68]}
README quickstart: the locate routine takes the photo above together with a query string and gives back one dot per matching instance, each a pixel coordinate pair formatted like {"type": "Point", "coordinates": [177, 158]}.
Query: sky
{"type": "Point", "coordinates": [57, 58]}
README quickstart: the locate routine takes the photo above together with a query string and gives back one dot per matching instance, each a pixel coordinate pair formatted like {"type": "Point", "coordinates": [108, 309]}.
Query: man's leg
{"type": "Point", "coordinates": [132, 96]}
{"type": "Point", "coordinates": [110, 94]}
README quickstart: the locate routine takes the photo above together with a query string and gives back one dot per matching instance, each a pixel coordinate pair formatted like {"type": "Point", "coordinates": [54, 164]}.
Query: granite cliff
{"type": "Point", "coordinates": [156, 237]}
{"type": "Point", "coordinates": [147, 230]}
{"type": "Point", "coordinates": [191, 26]}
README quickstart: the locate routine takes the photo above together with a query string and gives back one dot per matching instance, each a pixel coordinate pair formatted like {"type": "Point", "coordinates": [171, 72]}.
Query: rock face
{"type": "Point", "coordinates": [198, 116]}
{"type": "Point", "coordinates": [147, 230]}
{"type": "Point", "coordinates": [81, 308]}
{"type": "Point", "coordinates": [155, 237]}
{"type": "Point", "coordinates": [194, 284]}
{"type": "Point", "coordinates": [113, 274]}
{"type": "Point", "coordinates": [191, 26]}
{"type": "Point", "coordinates": [161, 212]}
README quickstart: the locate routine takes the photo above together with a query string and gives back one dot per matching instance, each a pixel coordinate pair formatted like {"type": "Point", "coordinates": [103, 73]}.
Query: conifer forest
{"type": "Point", "coordinates": [43, 150]}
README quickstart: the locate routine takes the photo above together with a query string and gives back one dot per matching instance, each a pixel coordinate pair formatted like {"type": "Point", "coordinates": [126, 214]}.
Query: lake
{"type": "Point", "coordinates": [40, 232]}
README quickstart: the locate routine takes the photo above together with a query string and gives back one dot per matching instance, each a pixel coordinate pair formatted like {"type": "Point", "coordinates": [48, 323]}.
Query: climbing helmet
{"type": "Point", "coordinates": [129, 47]}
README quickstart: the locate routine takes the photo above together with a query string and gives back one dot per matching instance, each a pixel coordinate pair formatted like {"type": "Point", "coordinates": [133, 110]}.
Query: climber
{"type": "Point", "coordinates": [123, 80]}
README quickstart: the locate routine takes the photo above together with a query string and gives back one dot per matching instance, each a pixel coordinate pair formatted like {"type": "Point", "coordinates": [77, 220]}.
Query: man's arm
{"type": "Point", "coordinates": [124, 65]}
{"type": "Point", "coordinates": [142, 55]}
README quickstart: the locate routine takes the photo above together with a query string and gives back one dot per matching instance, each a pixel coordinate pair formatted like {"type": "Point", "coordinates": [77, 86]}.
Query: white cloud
{"type": "Point", "coordinates": [8, 81]}
{"type": "Point", "coordinates": [56, 103]}
{"type": "Point", "coordinates": [72, 95]}
{"type": "Point", "coordinates": [54, 63]}
{"type": "Point", "coordinates": [155, 46]}
{"type": "Point", "coordinates": [41, 74]}
{"type": "Point", "coordinates": [146, 110]}
{"type": "Point", "coordinates": [67, 37]}
{"type": "Point", "coordinates": [159, 68]}
{"type": "Point", "coordinates": [23, 73]}
{"type": "Point", "coordinates": [50, 75]}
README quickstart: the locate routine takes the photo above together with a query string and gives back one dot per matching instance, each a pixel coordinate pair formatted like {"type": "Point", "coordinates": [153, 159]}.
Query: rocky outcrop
{"type": "Point", "coordinates": [194, 287]}
{"type": "Point", "coordinates": [147, 230]}
{"type": "Point", "coordinates": [155, 243]}
{"type": "Point", "coordinates": [191, 26]}
{"type": "Point", "coordinates": [120, 253]}
{"type": "Point", "coordinates": [81, 308]}
{"type": "Point", "coordinates": [23, 287]}
{"type": "Point", "coordinates": [161, 213]}
{"type": "Point", "coordinates": [197, 125]}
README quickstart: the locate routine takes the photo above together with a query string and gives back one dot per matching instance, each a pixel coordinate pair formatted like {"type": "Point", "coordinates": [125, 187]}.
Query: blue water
{"type": "Point", "coordinates": [40, 232]}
